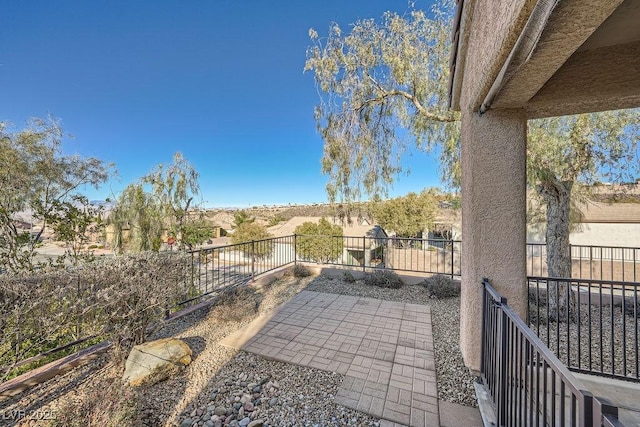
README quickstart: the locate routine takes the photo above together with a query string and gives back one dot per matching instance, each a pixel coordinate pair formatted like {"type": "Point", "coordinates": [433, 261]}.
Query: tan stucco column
{"type": "Point", "coordinates": [493, 218]}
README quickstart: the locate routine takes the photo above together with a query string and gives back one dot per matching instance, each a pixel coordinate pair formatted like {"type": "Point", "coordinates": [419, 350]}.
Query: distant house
{"type": "Point", "coordinates": [365, 246]}
{"type": "Point", "coordinates": [601, 224]}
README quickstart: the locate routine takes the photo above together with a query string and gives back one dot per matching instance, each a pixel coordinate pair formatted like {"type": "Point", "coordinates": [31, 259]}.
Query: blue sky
{"type": "Point", "coordinates": [220, 81]}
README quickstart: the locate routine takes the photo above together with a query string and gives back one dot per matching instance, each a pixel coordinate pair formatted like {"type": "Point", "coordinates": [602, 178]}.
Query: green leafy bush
{"type": "Point", "coordinates": [441, 286]}
{"type": "Point", "coordinates": [321, 242]}
{"type": "Point", "coordinates": [384, 279]}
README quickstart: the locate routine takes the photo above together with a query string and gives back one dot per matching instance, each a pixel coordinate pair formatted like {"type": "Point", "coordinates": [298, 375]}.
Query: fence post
{"type": "Point", "coordinates": [364, 255]}
{"type": "Point", "coordinates": [295, 249]}
{"type": "Point", "coordinates": [502, 400]}
{"type": "Point", "coordinates": [451, 241]}
{"type": "Point", "coordinates": [571, 261]}
{"type": "Point", "coordinates": [253, 260]}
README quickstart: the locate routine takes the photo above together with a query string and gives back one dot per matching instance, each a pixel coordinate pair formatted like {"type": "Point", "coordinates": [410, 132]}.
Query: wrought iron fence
{"type": "Point", "coordinates": [215, 269]}
{"type": "Point", "coordinates": [429, 256]}
{"type": "Point", "coordinates": [218, 268]}
{"type": "Point", "coordinates": [590, 262]}
{"type": "Point", "coordinates": [591, 325]}
{"type": "Point", "coordinates": [528, 384]}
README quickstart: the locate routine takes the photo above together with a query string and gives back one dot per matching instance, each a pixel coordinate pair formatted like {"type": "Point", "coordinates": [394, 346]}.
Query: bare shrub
{"type": "Point", "coordinates": [120, 299]}
{"type": "Point", "coordinates": [300, 270]}
{"type": "Point", "coordinates": [106, 402]}
{"type": "Point", "coordinates": [347, 276]}
{"type": "Point", "coordinates": [236, 304]}
{"type": "Point", "coordinates": [441, 286]}
{"type": "Point", "coordinates": [136, 290]}
{"type": "Point", "coordinates": [384, 279]}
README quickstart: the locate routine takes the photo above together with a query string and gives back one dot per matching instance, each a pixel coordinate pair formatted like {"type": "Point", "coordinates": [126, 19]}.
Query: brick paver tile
{"type": "Point", "coordinates": [387, 423]}
{"type": "Point", "coordinates": [328, 325]}
{"type": "Point", "coordinates": [313, 337]}
{"type": "Point", "coordinates": [351, 329]}
{"type": "Point", "coordinates": [375, 389]}
{"type": "Point", "coordinates": [397, 413]}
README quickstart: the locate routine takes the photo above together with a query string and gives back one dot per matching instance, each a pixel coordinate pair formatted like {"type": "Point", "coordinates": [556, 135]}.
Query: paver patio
{"type": "Point", "coordinates": [384, 349]}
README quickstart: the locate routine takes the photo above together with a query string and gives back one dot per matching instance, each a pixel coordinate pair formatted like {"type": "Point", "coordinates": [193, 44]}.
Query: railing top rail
{"type": "Point", "coordinates": [230, 245]}
{"type": "Point", "coordinates": [583, 281]}
{"type": "Point", "coordinates": [604, 247]}
{"type": "Point", "coordinates": [492, 292]}
{"type": "Point", "coordinates": [561, 370]}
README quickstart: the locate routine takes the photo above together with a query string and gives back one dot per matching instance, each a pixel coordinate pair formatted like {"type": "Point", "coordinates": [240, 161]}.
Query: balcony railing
{"type": "Point", "coordinates": [597, 329]}
{"type": "Point", "coordinates": [218, 268]}
{"type": "Point", "coordinates": [590, 262]}
{"type": "Point", "coordinates": [528, 384]}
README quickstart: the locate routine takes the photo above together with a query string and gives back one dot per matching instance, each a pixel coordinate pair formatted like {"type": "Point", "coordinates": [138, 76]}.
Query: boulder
{"type": "Point", "coordinates": [155, 361]}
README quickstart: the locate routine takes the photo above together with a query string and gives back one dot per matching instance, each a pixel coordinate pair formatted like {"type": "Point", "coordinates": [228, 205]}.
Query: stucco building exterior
{"type": "Point", "coordinates": [512, 61]}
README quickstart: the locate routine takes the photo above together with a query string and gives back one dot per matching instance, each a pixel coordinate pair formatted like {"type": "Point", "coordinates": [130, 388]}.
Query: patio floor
{"type": "Point", "coordinates": [384, 349]}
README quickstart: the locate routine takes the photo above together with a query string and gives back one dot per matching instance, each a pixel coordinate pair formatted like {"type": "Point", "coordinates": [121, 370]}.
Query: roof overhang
{"type": "Point", "coordinates": [571, 56]}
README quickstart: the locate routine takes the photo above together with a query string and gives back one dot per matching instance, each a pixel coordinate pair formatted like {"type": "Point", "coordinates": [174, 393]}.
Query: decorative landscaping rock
{"type": "Point", "coordinates": [155, 361]}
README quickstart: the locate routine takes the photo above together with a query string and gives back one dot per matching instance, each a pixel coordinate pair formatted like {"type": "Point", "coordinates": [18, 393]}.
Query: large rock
{"type": "Point", "coordinates": [155, 361]}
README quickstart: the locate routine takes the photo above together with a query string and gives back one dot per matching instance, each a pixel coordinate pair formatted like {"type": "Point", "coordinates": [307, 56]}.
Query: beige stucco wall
{"type": "Point", "coordinates": [494, 218]}
{"type": "Point", "coordinates": [595, 234]}
{"type": "Point", "coordinates": [489, 35]}
{"type": "Point", "coordinates": [603, 234]}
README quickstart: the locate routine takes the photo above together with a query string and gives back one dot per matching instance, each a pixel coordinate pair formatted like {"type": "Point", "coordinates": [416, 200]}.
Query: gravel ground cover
{"type": "Point", "coordinates": [604, 340]}
{"type": "Point", "coordinates": [251, 390]}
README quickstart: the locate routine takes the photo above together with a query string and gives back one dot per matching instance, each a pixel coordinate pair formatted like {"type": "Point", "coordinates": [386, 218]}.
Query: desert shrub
{"type": "Point", "coordinates": [441, 286]}
{"type": "Point", "coordinates": [538, 297]}
{"type": "Point", "coordinates": [120, 299]}
{"type": "Point", "coordinates": [236, 304]}
{"type": "Point", "coordinates": [300, 270]}
{"type": "Point", "coordinates": [347, 276]}
{"type": "Point", "coordinates": [383, 279]}
{"type": "Point", "coordinates": [277, 219]}
{"type": "Point", "coordinates": [136, 290]}
{"type": "Point", "coordinates": [321, 242]}
{"type": "Point", "coordinates": [632, 306]}
{"type": "Point", "coordinates": [105, 402]}
{"type": "Point", "coordinates": [247, 232]}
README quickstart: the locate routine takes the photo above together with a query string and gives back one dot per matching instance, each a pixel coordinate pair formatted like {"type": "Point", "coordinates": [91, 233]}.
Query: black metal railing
{"type": "Point", "coordinates": [527, 383]}
{"type": "Point", "coordinates": [591, 325]}
{"type": "Point", "coordinates": [590, 262]}
{"type": "Point", "coordinates": [219, 268]}
{"type": "Point", "coordinates": [429, 256]}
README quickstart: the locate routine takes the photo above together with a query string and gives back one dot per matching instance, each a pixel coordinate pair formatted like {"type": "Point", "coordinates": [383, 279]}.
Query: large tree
{"type": "Point", "coordinates": [383, 85]}
{"type": "Point", "coordinates": [159, 202]}
{"type": "Point", "coordinates": [37, 179]}
{"type": "Point", "coordinates": [408, 215]}
{"type": "Point", "coordinates": [565, 156]}
{"type": "Point", "coordinates": [175, 187]}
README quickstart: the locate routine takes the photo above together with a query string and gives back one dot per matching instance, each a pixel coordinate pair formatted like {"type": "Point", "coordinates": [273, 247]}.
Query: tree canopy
{"type": "Point", "coordinates": [407, 215]}
{"type": "Point", "coordinates": [383, 86]}
{"type": "Point", "coordinates": [159, 203]}
{"type": "Point", "coordinates": [251, 231]}
{"type": "Point", "coordinates": [37, 178]}
{"type": "Point", "coordinates": [317, 241]}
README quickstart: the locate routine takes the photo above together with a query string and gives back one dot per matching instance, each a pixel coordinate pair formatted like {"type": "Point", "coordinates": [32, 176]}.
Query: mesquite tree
{"type": "Point", "coordinates": [566, 155]}
{"type": "Point", "coordinates": [36, 179]}
{"type": "Point", "coordinates": [383, 86]}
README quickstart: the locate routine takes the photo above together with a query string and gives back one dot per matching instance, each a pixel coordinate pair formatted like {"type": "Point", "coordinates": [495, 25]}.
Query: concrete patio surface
{"type": "Point", "coordinates": [384, 349]}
